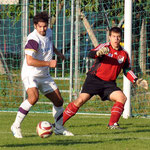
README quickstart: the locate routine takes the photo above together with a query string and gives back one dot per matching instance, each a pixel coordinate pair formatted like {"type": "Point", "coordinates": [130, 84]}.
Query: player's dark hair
{"type": "Point", "coordinates": [116, 30]}
{"type": "Point", "coordinates": [41, 17]}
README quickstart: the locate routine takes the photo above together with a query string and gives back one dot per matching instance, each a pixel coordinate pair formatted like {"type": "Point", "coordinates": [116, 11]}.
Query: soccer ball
{"type": "Point", "coordinates": [44, 129]}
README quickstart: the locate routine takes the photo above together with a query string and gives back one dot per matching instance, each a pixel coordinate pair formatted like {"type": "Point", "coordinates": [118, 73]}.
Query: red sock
{"type": "Point", "coordinates": [116, 112]}
{"type": "Point", "coordinates": [70, 111]}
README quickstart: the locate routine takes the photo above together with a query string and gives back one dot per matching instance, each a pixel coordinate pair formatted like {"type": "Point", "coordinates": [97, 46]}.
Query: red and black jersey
{"type": "Point", "coordinates": [108, 67]}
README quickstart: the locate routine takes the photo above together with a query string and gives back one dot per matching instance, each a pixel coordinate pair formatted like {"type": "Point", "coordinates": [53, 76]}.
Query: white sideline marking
{"type": "Point", "coordinates": [94, 114]}
{"type": "Point", "coordinates": [85, 135]}
{"type": "Point", "coordinates": [91, 114]}
{"type": "Point", "coordinates": [23, 133]}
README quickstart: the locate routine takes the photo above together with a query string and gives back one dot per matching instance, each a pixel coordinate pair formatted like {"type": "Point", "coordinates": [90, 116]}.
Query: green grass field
{"type": "Point", "coordinates": [90, 134]}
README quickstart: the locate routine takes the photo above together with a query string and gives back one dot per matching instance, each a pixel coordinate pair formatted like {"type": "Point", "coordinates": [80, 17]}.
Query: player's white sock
{"type": "Point", "coordinates": [22, 112]}
{"type": "Point", "coordinates": [58, 116]}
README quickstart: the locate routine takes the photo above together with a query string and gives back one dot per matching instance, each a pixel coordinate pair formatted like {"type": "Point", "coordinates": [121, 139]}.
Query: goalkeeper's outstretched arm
{"type": "Point", "coordinates": [94, 53]}
{"type": "Point", "coordinates": [134, 79]}
{"type": "Point", "coordinates": [142, 83]}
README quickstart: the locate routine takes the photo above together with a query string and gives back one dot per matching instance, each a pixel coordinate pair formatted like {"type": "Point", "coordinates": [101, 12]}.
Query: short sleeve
{"type": "Point", "coordinates": [31, 47]}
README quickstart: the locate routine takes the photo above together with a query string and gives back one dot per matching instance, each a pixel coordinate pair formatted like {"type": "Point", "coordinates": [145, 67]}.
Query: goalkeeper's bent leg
{"type": "Point", "coordinates": [70, 111]}
{"type": "Point", "coordinates": [116, 112]}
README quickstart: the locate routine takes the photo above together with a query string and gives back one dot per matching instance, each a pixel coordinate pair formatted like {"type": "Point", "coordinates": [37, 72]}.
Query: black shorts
{"type": "Point", "coordinates": [96, 86]}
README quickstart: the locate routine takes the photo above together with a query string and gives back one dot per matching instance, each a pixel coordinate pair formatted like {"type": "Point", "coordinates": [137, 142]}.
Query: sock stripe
{"type": "Point", "coordinates": [117, 108]}
{"type": "Point", "coordinates": [61, 115]}
{"type": "Point", "coordinates": [69, 112]}
{"type": "Point", "coordinates": [116, 112]}
{"type": "Point", "coordinates": [23, 111]}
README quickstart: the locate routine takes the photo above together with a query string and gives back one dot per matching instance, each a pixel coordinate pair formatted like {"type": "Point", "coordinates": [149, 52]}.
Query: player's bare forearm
{"type": "Point", "coordinates": [58, 53]}
{"type": "Point", "coordinates": [52, 63]}
{"type": "Point", "coordinates": [55, 50]}
{"type": "Point", "coordinates": [40, 63]}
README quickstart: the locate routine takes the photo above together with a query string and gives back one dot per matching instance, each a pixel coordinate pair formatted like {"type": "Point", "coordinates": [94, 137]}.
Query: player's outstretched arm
{"type": "Point", "coordinates": [94, 53]}
{"type": "Point", "coordinates": [102, 51]}
{"type": "Point", "coordinates": [142, 83]}
{"type": "Point", "coordinates": [40, 63]}
{"type": "Point", "coordinates": [134, 79]}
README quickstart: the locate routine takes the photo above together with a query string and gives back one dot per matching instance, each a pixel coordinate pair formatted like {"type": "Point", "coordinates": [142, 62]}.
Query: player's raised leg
{"type": "Point", "coordinates": [57, 100]}
{"type": "Point", "coordinates": [117, 109]}
{"type": "Point", "coordinates": [73, 107]}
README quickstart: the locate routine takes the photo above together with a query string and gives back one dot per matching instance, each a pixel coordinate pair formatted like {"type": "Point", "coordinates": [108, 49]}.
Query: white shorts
{"type": "Point", "coordinates": [44, 84]}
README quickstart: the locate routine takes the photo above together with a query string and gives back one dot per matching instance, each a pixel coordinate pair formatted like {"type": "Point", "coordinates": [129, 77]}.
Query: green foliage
{"type": "Point", "coordinates": [11, 11]}
{"type": "Point", "coordinates": [114, 8]}
{"type": "Point", "coordinates": [89, 5]}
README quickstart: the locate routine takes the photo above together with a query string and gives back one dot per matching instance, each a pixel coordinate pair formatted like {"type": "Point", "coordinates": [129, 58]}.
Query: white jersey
{"type": "Point", "coordinates": [41, 48]}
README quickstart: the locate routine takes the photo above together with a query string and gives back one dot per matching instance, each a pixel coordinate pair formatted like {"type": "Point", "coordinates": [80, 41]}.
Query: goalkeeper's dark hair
{"type": "Point", "coordinates": [41, 17]}
{"type": "Point", "coordinates": [116, 30]}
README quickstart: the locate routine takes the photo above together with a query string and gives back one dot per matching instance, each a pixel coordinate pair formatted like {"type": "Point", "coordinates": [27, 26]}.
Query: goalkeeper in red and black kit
{"type": "Point", "coordinates": [110, 59]}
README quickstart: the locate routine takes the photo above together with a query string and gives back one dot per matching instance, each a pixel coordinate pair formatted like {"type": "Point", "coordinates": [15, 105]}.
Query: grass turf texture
{"type": "Point", "coordinates": [90, 134]}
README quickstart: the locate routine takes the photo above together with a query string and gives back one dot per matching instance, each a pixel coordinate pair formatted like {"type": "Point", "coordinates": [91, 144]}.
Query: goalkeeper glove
{"type": "Point", "coordinates": [102, 51]}
{"type": "Point", "coordinates": [142, 83]}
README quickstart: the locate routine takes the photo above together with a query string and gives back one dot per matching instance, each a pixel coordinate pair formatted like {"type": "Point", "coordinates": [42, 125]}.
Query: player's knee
{"type": "Point", "coordinates": [33, 99]}
{"type": "Point", "coordinates": [59, 102]}
{"type": "Point", "coordinates": [118, 96]}
{"type": "Point", "coordinates": [79, 101]}
{"type": "Point", "coordinates": [122, 99]}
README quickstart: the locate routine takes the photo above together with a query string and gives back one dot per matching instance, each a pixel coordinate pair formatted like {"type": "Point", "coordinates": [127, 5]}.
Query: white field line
{"type": "Point", "coordinates": [85, 114]}
{"type": "Point", "coordinates": [93, 114]}
{"type": "Point", "coordinates": [85, 135]}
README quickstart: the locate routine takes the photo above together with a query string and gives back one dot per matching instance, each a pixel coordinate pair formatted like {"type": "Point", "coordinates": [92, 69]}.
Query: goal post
{"type": "Point", "coordinates": [128, 47]}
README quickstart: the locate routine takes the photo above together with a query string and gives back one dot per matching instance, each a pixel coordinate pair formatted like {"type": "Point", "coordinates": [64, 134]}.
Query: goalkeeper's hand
{"type": "Point", "coordinates": [102, 51]}
{"type": "Point", "coordinates": [142, 83]}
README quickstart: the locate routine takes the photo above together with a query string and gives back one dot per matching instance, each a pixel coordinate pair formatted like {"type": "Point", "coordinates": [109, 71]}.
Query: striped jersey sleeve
{"type": "Point", "coordinates": [128, 72]}
{"type": "Point", "coordinates": [31, 47]}
{"type": "Point", "coordinates": [101, 46]}
{"type": "Point", "coordinates": [131, 76]}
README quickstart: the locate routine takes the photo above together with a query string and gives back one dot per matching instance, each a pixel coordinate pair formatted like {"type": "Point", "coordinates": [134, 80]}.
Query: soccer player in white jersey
{"type": "Point", "coordinates": [35, 75]}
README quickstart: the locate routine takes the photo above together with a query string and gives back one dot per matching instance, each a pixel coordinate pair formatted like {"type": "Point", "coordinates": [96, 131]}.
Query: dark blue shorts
{"type": "Point", "coordinates": [96, 86]}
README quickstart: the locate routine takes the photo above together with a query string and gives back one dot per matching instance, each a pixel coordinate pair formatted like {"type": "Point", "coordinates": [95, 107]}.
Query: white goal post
{"type": "Point", "coordinates": [128, 47]}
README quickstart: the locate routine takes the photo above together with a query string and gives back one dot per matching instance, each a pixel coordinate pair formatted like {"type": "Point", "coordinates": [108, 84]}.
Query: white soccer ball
{"type": "Point", "coordinates": [44, 129]}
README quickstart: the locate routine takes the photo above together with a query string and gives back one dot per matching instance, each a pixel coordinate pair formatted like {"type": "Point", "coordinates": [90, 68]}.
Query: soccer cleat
{"type": "Point", "coordinates": [114, 126]}
{"type": "Point", "coordinates": [63, 131]}
{"type": "Point", "coordinates": [53, 125]}
{"type": "Point", "coordinates": [16, 131]}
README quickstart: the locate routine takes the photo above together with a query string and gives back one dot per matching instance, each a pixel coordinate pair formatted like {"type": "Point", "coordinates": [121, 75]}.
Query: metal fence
{"type": "Point", "coordinates": [78, 26]}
